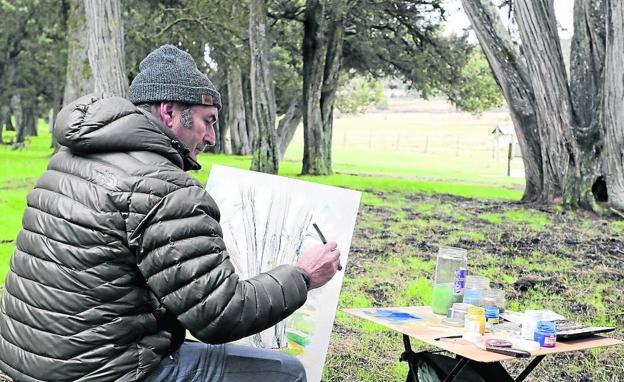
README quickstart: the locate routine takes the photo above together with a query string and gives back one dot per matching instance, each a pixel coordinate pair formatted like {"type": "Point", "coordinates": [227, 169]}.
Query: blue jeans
{"type": "Point", "coordinates": [199, 362]}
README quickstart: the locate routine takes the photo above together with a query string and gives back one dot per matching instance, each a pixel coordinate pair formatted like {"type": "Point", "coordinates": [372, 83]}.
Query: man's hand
{"type": "Point", "coordinates": [319, 263]}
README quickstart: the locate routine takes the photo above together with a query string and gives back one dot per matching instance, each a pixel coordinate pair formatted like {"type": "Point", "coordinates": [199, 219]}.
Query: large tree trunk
{"type": "Point", "coordinates": [237, 119]}
{"type": "Point", "coordinates": [511, 73]}
{"type": "Point", "coordinates": [560, 155]}
{"type": "Point", "coordinates": [265, 157]}
{"type": "Point", "coordinates": [314, 55]}
{"type": "Point", "coordinates": [613, 105]}
{"type": "Point", "coordinates": [79, 79]}
{"type": "Point", "coordinates": [323, 38]}
{"type": "Point", "coordinates": [288, 125]}
{"type": "Point", "coordinates": [580, 123]}
{"type": "Point", "coordinates": [106, 47]}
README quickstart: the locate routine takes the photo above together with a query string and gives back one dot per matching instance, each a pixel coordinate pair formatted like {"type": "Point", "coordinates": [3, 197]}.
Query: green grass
{"type": "Point", "coordinates": [536, 220]}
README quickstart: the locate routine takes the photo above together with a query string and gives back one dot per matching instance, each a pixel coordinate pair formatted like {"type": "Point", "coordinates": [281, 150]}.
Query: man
{"type": "Point", "coordinates": [121, 251]}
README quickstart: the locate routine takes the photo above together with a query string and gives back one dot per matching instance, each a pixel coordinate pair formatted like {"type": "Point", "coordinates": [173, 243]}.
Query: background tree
{"type": "Point", "coordinates": [79, 75]}
{"type": "Point", "coordinates": [569, 131]}
{"type": "Point", "coordinates": [32, 44]}
{"type": "Point", "coordinates": [106, 46]}
{"type": "Point", "coordinates": [265, 157]}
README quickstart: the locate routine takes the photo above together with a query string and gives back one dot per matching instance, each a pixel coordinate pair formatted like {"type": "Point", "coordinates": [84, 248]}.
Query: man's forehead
{"type": "Point", "coordinates": [206, 110]}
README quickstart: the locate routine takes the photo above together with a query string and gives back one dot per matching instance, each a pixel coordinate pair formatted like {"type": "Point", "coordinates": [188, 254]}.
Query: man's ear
{"type": "Point", "coordinates": [165, 113]}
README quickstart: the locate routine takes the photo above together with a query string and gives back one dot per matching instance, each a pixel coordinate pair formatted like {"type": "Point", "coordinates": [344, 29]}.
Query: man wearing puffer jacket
{"type": "Point", "coordinates": [121, 252]}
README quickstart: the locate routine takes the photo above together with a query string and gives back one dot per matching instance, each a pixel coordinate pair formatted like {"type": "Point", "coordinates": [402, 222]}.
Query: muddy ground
{"type": "Point", "coordinates": [543, 257]}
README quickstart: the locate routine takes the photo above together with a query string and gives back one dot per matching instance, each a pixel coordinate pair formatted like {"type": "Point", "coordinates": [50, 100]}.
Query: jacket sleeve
{"type": "Point", "coordinates": [181, 254]}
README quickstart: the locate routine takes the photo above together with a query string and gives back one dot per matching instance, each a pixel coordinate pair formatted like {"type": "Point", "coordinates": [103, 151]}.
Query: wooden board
{"type": "Point", "coordinates": [428, 328]}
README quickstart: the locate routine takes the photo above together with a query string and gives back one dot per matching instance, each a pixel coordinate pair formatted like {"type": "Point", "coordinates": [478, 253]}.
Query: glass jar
{"type": "Point", "coordinates": [499, 298]}
{"type": "Point", "coordinates": [475, 320]}
{"type": "Point", "coordinates": [529, 323]}
{"type": "Point", "coordinates": [450, 278]}
{"type": "Point", "coordinates": [475, 285]}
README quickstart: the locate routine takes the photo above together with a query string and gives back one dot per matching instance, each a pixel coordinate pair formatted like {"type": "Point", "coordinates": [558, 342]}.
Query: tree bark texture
{"type": "Point", "coordinates": [314, 55]}
{"type": "Point", "coordinates": [79, 78]}
{"type": "Point", "coordinates": [237, 119]}
{"type": "Point", "coordinates": [106, 46]}
{"type": "Point", "coordinates": [510, 71]}
{"type": "Point", "coordinates": [613, 106]}
{"type": "Point", "coordinates": [288, 125]}
{"type": "Point", "coordinates": [537, 24]}
{"type": "Point", "coordinates": [265, 156]}
{"type": "Point", "coordinates": [579, 121]}
{"type": "Point", "coordinates": [249, 120]}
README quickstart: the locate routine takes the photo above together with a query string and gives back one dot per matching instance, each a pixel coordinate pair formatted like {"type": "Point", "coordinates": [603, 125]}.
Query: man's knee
{"type": "Point", "coordinates": [293, 366]}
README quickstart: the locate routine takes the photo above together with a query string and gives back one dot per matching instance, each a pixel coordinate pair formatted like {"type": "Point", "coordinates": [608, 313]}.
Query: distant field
{"type": "Point", "coordinates": [420, 139]}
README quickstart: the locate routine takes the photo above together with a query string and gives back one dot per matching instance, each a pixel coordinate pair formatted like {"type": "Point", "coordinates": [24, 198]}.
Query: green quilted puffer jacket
{"type": "Point", "coordinates": [120, 252]}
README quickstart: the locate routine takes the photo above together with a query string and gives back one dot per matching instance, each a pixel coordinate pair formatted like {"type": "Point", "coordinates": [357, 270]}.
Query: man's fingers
{"type": "Point", "coordinates": [331, 245]}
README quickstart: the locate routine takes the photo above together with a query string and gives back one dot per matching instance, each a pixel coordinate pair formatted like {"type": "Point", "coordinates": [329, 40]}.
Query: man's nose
{"type": "Point", "coordinates": [210, 137]}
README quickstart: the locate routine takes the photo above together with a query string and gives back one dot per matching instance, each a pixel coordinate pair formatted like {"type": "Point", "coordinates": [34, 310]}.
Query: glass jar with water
{"type": "Point", "coordinates": [450, 278]}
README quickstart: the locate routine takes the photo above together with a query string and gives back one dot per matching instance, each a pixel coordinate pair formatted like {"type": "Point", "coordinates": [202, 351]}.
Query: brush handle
{"type": "Point", "coordinates": [509, 351]}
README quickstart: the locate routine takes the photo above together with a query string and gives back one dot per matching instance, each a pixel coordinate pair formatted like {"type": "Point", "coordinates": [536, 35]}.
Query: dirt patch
{"type": "Point", "coordinates": [565, 260]}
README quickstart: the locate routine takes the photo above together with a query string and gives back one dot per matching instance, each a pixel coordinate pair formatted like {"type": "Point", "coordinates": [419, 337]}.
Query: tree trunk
{"type": "Point", "coordinates": [225, 146]}
{"type": "Point", "coordinates": [314, 55]}
{"type": "Point", "coordinates": [265, 157]}
{"type": "Point", "coordinates": [511, 73]}
{"type": "Point", "coordinates": [237, 119]}
{"type": "Point", "coordinates": [580, 122]}
{"type": "Point", "coordinates": [106, 47]}
{"type": "Point", "coordinates": [331, 74]}
{"type": "Point", "coordinates": [7, 120]}
{"type": "Point", "coordinates": [249, 120]}
{"type": "Point", "coordinates": [288, 125]}
{"type": "Point", "coordinates": [25, 119]}
{"type": "Point", "coordinates": [614, 99]}
{"type": "Point", "coordinates": [560, 155]}
{"type": "Point", "coordinates": [79, 74]}
{"type": "Point", "coordinates": [322, 58]}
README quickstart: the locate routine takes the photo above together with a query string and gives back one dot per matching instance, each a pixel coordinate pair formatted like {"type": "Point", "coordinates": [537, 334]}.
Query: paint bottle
{"type": "Point", "coordinates": [545, 334]}
{"type": "Point", "coordinates": [492, 316]}
{"type": "Point", "coordinates": [475, 320]}
{"type": "Point", "coordinates": [450, 278]}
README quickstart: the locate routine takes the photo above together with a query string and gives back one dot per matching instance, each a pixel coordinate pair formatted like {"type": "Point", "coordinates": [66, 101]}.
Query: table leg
{"type": "Point", "coordinates": [457, 369]}
{"type": "Point", "coordinates": [527, 370]}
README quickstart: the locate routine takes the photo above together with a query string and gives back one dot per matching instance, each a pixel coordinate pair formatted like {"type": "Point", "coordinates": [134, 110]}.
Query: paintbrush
{"type": "Point", "coordinates": [318, 230]}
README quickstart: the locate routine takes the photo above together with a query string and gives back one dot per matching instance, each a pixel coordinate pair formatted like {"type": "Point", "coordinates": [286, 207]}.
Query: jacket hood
{"type": "Point", "coordinates": [98, 123]}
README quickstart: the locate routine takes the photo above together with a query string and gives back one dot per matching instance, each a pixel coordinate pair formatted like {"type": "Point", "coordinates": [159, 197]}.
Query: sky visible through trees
{"type": "Point", "coordinates": [457, 21]}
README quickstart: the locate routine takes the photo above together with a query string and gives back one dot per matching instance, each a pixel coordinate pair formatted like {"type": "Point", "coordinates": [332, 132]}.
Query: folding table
{"type": "Point", "coordinates": [421, 323]}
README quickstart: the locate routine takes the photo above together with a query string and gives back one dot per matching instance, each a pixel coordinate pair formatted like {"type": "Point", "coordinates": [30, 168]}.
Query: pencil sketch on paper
{"type": "Point", "coordinates": [267, 221]}
{"type": "Point", "coordinates": [271, 239]}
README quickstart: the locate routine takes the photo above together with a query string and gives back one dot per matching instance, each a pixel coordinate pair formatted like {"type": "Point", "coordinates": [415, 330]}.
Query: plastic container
{"type": "Point", "coordinates": [450, 278]}
{"type": "Point", "coordinates": [499, 298]}
{"type": "Point", "coordinates": [492, 315]}
{"type": "Point", "coordinates": [475, 285]}
{"type": "Point", "coordinates": [545, 334]}
{"type": "Point", "coordinates": [475, 320]}
{"type": "Point", "coordinates": [529, 323]}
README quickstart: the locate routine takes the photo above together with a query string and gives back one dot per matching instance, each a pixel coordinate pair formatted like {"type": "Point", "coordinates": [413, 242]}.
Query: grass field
{"type": "Point", "coordinates": [452, 194]}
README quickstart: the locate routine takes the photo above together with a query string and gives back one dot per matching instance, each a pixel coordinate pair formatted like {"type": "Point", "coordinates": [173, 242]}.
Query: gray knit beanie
{"type": "Point", "coordinates": [169, 74]}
